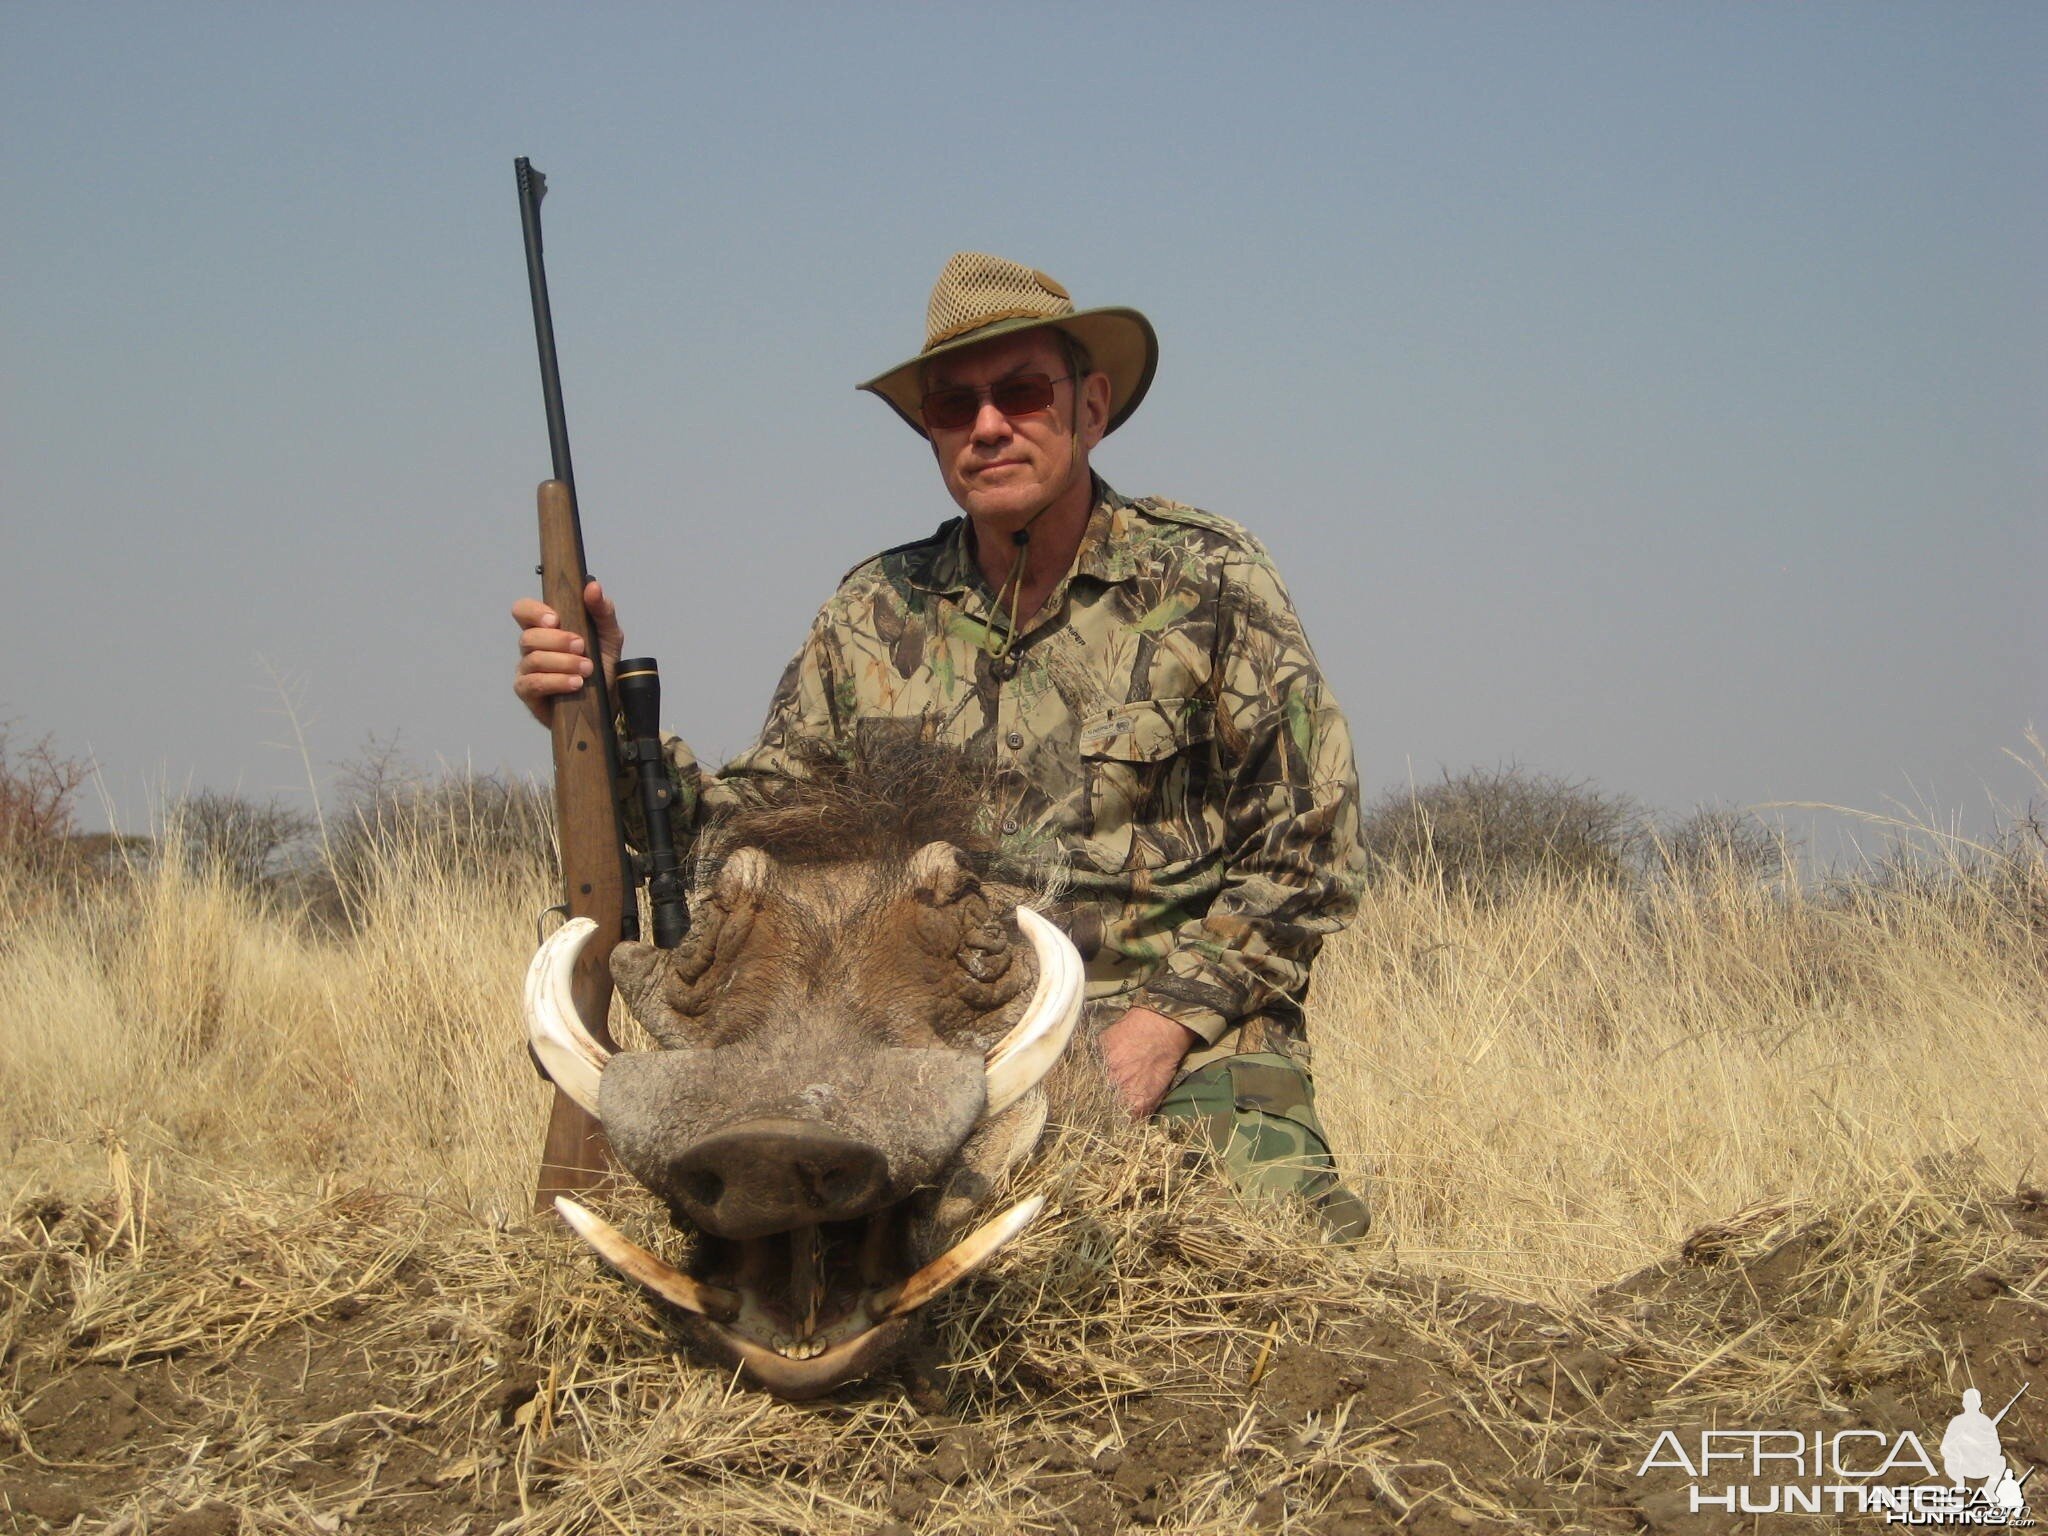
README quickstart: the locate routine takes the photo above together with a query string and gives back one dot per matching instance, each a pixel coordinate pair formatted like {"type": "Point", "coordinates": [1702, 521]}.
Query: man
{"type": "Point", "coordinates": [1134, 674]}
{"type": "Point", "coordinates": [1970, 1451]}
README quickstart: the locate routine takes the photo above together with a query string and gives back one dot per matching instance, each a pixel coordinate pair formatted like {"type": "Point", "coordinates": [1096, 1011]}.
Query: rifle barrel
{"type": "Point", "coordinates": [533, 186]}
{"type": "Point", "coordinates": [2010, 1401]}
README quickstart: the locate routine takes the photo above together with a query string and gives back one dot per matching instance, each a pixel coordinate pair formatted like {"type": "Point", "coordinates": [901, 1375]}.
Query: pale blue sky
{"type": "Point", "coordinates": [1652, 393]}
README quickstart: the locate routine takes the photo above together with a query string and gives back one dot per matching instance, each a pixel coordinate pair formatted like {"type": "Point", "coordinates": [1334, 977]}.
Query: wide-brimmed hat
{"type": "Point", "coordinates": [979, 297]}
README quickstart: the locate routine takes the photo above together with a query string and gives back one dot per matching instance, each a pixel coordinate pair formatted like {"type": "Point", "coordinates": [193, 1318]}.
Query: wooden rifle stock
{"type": "Point", "coordinates": [596, 874]}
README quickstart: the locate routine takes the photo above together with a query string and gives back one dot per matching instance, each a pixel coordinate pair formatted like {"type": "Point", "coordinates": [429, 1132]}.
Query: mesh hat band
{"type": "Point", "coordinates": [976, 290]}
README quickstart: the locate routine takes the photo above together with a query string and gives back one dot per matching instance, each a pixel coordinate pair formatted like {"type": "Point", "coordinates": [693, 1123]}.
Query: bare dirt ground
{"type": "Point", "coordinates": [1156, 1356]}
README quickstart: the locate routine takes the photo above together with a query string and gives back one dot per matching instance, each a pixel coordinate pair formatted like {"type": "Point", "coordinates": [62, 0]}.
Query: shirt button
{"type": "Point", "coordinates": [1015, 739]}
{"type": "Point", "coordinates": [1009, 829]}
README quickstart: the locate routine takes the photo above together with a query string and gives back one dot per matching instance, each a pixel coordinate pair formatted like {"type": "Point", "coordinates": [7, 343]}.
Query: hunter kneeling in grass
{"type": "Point", "coordinates": [1134, 676]}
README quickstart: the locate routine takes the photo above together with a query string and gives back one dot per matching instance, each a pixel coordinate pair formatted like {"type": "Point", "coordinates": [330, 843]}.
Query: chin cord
{"type": "Point", "coordinates": [1015, 584]}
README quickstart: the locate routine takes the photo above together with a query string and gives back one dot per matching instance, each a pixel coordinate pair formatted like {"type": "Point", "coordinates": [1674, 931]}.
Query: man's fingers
{"type": "Point", "coordinates": [532, 686]}
{"type": "Point", "coordinates": [553, 664]}
{"type": "Point", "coordinates": [1128, 1079]}
{"type": "Point", "coordinates": [539, 641]}
{"type": "Point", "coordinates": [1140, 1054]}
{"type": "Point", "coordinates": [554, 661]}
{"type": "Point", "coordinates": [547, 685]}
{"type": "Point", "coordinates": [1143, 1088]}
{"type": "Point", "coordinates": [1138, 1102]}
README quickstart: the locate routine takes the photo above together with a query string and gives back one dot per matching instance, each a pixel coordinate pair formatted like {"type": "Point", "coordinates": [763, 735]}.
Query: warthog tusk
{"type": "Point", "coordinates": [567, 1052]}
{"type": "Point", "coordinates": [1026, 1053]}
{"type": "Point", "coordinates": [636, 1263]}
{"type": "Point", "coordinates": [957, 1262]}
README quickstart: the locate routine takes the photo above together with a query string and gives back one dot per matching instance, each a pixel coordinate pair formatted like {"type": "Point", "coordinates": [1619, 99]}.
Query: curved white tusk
{"type": "Point", "coordinates": [567, 1052]}
{"type": "Point", "coordinates": [636, 1263]}
{"type": "Point", "coordinates": [957, 1262]}
{"type": "Point", "coordinates": [1027, 1053]}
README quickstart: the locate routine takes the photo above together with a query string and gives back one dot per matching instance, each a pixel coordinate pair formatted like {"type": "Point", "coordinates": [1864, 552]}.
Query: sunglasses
{"type": "Point", "coordinates": [948, 410]}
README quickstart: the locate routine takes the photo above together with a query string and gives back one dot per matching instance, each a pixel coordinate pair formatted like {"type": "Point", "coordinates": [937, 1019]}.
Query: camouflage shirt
{"type": "Point", "coordinates": [1160, 722]}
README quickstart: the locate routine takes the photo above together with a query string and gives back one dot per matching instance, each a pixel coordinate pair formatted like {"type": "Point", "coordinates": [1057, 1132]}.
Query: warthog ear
{"type": "Point", "coordinates": [940, 875]}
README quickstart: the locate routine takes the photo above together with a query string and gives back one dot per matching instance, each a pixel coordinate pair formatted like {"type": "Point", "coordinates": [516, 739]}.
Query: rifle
{"type": "Point", "coordinates": [600, 875]}
{"type": "Point", "coordinates": [2014, 1398]}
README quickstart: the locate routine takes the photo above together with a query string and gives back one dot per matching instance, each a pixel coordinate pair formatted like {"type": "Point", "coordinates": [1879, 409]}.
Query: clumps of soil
{"type": "Point", "coordinates": [1155, 1356]}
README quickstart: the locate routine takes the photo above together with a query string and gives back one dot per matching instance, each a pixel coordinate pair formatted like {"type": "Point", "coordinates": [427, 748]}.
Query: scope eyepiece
{"type": "Point", "coordinates": [637, 684]}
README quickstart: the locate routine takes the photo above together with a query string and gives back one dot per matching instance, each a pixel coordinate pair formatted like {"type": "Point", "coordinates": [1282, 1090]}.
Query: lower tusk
{"type": "Point", "coordinates": [636, 1263]}
{"type": "Point", "coordinates": [1022, 1057]}
{"type": "Point", "coordinates": [957, 1262]}
{"type": "Point", "coordinates": [567, 1052]}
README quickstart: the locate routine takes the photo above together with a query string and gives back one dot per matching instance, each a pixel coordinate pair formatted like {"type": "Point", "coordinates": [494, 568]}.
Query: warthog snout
{"type": "Point", "coordinates": [769, 1175]}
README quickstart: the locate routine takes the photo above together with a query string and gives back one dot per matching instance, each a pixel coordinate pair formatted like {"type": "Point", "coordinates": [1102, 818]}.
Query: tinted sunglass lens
{"type": "Point", "coordinates": [1024, 396]}
{"type": "Point", "coordinates": [951, 409]}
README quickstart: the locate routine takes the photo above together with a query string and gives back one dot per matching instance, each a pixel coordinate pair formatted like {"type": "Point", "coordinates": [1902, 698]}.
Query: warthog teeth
{"type": "Point", "coordinates": [957, 1262]}
{"type": "Point", "coordinates": [636, 1263]}
{"type": "Point", "coordinates": [567, 1052]}
{"type": "Point", "coordinates": [1022, 1057]}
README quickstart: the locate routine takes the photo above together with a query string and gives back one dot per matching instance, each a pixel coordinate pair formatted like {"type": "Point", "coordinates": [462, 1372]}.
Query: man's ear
{"type": "Point", "coordinates": [1094, 413]}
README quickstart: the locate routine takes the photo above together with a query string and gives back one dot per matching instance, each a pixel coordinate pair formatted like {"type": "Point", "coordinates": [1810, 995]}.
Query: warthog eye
{"type": "Point", "coordinates": [668, 990]}
{"type": "Point", "coordinates": [985, 952]}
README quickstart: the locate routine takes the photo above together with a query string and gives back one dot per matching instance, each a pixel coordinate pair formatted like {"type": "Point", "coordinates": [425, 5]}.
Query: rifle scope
{"type": "Point", "coordinates": [638, 685]}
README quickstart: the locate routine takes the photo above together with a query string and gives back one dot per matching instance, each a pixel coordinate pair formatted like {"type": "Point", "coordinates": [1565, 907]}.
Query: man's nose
{"type": "Point", "coordinates": [990, 424]}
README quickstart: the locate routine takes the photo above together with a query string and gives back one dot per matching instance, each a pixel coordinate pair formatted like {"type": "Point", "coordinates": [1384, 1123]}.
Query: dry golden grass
{"type": "Point", "coordinates": [235, 1039]}
{"type": "Point", "coordinates": [1553, 1090]}
{"type": "Point", "coordinates": [245, 1156]}
{"type": "Point", "coordinates": [1541, 1091]}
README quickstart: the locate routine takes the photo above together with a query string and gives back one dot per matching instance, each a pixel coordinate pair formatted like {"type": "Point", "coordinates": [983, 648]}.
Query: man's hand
{"type": "Point", "coordinates": [1141, 1051]}
{"type": "Point", "coordinates": [551, 660]}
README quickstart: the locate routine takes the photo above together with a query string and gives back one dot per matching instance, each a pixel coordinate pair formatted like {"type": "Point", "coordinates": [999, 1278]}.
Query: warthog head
{"type": "Point", "coordinates": [851, 1041]}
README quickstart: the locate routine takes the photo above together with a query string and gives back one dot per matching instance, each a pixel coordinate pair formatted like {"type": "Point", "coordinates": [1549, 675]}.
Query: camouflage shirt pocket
{"type": "Point", "coordinates": [1148, 766]}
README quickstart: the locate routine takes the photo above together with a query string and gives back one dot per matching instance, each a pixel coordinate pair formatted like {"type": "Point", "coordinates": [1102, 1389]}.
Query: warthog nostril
{"type": "Point", "coordinates": [702, 1187]}
{"type": "Point", "coordinates": [769, 1175]}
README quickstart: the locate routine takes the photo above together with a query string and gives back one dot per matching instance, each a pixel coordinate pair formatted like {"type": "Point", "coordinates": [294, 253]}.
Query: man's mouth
{"type": "Point", "coordinates": [810, 1308]}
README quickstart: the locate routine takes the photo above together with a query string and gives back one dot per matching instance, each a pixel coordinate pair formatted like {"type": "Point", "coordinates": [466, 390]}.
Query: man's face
{"type": "Point", "coordinates": [999, 469]}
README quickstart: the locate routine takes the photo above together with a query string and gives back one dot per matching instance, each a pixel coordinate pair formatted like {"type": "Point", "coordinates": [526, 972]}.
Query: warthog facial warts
{"type": "Point", "coordinates": [851, 1040]}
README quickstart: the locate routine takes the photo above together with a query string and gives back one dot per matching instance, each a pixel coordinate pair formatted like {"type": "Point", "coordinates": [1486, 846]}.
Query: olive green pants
{"type": "Point", "coordinates": [1257, 1112]}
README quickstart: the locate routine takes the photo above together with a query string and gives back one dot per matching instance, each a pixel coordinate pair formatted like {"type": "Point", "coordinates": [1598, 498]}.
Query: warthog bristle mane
{"type": "Point", "coordinates": [887, 796]}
